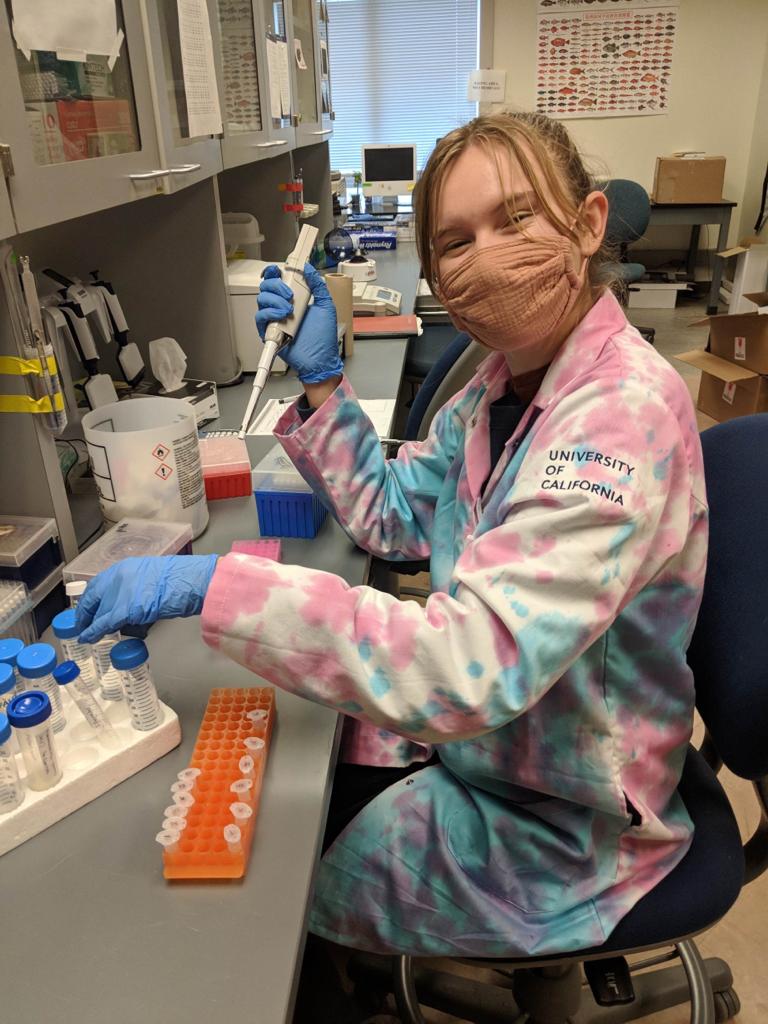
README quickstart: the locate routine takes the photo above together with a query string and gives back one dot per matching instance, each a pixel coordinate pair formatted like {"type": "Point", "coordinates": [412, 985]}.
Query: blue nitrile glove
{"type": "Point", "coordinates": [314, 352]}
{"type": "Point", "coordinates": [139, 591]}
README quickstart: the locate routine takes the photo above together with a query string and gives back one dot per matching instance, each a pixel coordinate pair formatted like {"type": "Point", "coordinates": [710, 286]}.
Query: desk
{"type": "Point", "coordinates": [696, 214]}
{"type": "Point", "coordinates": [92, 932]}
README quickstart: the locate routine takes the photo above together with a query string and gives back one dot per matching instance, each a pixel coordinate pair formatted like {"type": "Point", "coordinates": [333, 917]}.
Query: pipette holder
{"type": "Point", "coordinates": [202, 851]}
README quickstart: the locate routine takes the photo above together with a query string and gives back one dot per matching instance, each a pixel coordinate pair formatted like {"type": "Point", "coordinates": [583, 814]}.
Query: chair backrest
{"type": "Point", "coordinates": [629, 210]}
{"type": "Point", "coordinates": [729, 649]}
{"type": "Point", "coordinates": [455, 368]}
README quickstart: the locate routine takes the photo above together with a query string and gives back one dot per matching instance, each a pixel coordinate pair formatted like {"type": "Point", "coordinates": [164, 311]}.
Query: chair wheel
{"type": "Point", "coordinates": [727, 1005]}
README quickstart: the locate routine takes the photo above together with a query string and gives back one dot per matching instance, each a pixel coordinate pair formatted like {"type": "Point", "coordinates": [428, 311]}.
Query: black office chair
{"type": "Point", "coordinates": [729, 658]}
{"type": "Point", "coordinates": [629, 211]}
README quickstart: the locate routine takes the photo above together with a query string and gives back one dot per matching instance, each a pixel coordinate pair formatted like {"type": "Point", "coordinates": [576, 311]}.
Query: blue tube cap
{"type": "Point", "coordinates": [129, 654]}
{"type": "Point", "coordinates": [10, 648]}
{"type": "Point", "coordinates": [36, 660]}
{"type": "Point", "coordinates": [64, 625]}
{"type": "Point", "coordinates": [66, 672]}
{"type": "Point", "coordinates": [5, 728]}
{"type": "Point", "coordinates": [28, 709]}
{"type": "Point", "coordinates": [7, 678]}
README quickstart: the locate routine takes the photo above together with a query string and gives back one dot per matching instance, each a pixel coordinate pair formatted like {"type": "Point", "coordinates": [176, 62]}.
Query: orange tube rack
{"type": "Point", "coordinates": [231, 718]}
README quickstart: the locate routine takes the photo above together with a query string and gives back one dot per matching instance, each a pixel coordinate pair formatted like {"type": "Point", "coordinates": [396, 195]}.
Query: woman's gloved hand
{"type": "Point", "coordinates": [314, 352]}
{"type": "Point", "coordinates": [139, 591]}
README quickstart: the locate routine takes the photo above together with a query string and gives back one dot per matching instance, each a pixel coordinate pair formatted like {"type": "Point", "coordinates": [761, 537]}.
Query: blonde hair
{"type": "Point", "coordinates": [560, 166]}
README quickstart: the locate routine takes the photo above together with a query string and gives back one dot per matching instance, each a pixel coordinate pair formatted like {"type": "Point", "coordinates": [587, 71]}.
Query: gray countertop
{"type": "Point", "coordinates": [92, 931]}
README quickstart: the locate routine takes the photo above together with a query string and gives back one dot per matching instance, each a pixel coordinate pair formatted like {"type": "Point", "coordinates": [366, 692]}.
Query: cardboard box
{"type": "Point", "coordinates": [727, 391]}
{"type": "Point", "coordinates": [741, 339]}
{"type": "Point", "coordinates": [80, 119]}
{"type": "Point", "coordinates": [688, 179]}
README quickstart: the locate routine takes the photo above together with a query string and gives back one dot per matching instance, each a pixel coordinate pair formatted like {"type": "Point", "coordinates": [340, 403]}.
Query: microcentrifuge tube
{"type": "Point", "coordinates": [181, 787]}
{"type": "Point", "coordinates": [233, 838]}
{"type": "Point", "coordinates": [240, 812]}
{"type": "Point", "coordinates": [242, 789]}
{"type": "Point", "coordinates": [183, 800]}
{"type": "Point", "coordinates": [246, 765]}
{"type": "Point", "coordinates": [174, 811]}
{"type": "Point", "coordinates": [188, 775]}
{"type": "Point", "coordinates": [257, 716]}
{"type": "Point", "coordinates": [168, 840]}
{"type": "Point", "coordinates": [253, 744]}
{"type": "Point", "coordinates": [175, 823]}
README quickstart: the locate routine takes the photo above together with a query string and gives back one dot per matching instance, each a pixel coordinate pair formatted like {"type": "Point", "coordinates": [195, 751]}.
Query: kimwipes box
{"type": "Point", "coordinates": [688, 179]}
{"type": "Point", "coordinates": [727, 390]}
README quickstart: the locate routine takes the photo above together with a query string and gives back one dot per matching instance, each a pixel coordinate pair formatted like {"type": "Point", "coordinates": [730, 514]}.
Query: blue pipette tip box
{"type": "Point", "coordinates": [286, 504]}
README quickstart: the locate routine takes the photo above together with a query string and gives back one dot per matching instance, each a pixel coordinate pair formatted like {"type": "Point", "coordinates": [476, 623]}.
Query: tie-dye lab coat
{"type": "Point", "coordinates": [547, 668]}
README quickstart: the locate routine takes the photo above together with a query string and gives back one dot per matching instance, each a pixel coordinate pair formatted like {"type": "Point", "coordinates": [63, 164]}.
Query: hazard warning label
{"type": "Point", "coordinates": [160, 452]}
{"type": "Point", "coordinates": [163, 471]}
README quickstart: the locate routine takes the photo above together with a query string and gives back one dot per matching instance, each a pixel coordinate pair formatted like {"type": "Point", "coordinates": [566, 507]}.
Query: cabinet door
{"type": "Point", "coordinates": [187, 153]}
{"type": "Point", "coordinates": [244, 74]}
{"type": "Point", "coordinates": [324, 69]}
{"type": "Point", "coordinates": [82, 136]}
{"type": "Point", "coordinates": [304, 67]}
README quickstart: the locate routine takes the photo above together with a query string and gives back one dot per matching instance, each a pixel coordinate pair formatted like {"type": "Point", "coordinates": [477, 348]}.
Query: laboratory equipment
{"type": "Point", "coordinates": [74, 589]}
{"type": "Point", "coordinates": [338, 246]}
{"type": "Point", "coordinates": [359, 267]}
{"type": "Point", "coordinates": [66, 632]}
{"type": "Point", "coordinates": [233, 838]}
{"type": "Point", "coordinates": [265, 547]}
{"type": "Point", "coordinates": [7, 685]}
{"type": "Point", "coordinates": [128, 538]}
{"type": "Point", "coordinates": [231, 719]}
{"type": "Point", "coordinates": [242, 236]}
{"type": "Point", "coordinates": [11, 789]}
{"type": "Point", "coordinates": [130, 658]}
{"type": "Point", "coordinates": [246, 766]}
{"type": "Point", "coordinates": [109, 677]}
{"type": "Point", "coordinates": [388, 170]}
{"type": "Point", "coordinates": [36, 664]}
{"type": "Point", "coordinates": [16, 612]}
{"type": "Point", "coordinates": [31, 715]}
{"type": "Point", "coordinates": [68, 675]}
{"type": "Point", "coordinates": [10, 648]}
{"type": "Point", "coordinates": [145, 459]}
{"type": "Point", "coordinates": [286, 504]}
{"type": "Point", "coordinates": [283, 331]}
{"type": "Point", "coordinates": [168, 840]}
{"type": "Point", "coordinates": [226, 467]}
{"type": "Point", "coordinates": [243, 284]}
{"type": "Point", "coordinates": [29, 549]}
{"type": "Point", "coordinates": [375, 300]}
{"type": "Point", "coordinates": [47, 385]}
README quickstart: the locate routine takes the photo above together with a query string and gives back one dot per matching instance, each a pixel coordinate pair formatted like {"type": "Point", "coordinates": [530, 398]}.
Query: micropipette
{"type": "Point", "coordinates": [280, 332]}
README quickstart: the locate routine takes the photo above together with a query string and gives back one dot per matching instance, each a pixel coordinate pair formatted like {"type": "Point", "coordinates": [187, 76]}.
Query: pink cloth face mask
{"type": "Point", "coordinates": [513, 294]}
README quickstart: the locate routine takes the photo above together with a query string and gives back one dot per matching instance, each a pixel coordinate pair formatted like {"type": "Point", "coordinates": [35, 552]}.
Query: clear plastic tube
{"type": "Point", "coordinates": [49, 686]}
{"type": "Point", "coordinates": [82, 655]}
{"type": "Point", "coordinates": [233, 838]}
{"type": "Point", "coordinates": [109, 677]}
{"type": "Point", "coordinates": [141, 696]}
{"type": "Point", "coordinates": [168, 840]}
{"type": "Point", "coordinates": [11, 788]}
{"type": "Point", "coordinates": [92, 711]}
{"type": "Point", "coordinates": [38, 749]}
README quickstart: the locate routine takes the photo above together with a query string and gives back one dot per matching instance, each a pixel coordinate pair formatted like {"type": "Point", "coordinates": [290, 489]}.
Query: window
{"type": "Point", "coordinates": [399, 72]}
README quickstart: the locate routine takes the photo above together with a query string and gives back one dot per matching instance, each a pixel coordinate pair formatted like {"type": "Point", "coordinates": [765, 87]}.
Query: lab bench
{"type": "Point", "coordinates": [86, 900]}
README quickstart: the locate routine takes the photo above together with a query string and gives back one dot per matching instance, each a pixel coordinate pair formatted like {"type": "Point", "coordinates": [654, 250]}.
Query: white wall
{"type": "Point", "coordinates": [718, 67]}
{"type": "Point", "coordinates": [758, 158]}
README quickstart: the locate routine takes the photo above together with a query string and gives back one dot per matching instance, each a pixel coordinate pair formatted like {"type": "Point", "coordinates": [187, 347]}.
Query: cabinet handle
{"type": "Point", "coordinates": [268, 145]}
{"type": "Point", "coordinates": [185, 169]}
{"type": "Point", "coordinates": [149, 175]}
{"type": "Point", "coordinates": [325, 131]}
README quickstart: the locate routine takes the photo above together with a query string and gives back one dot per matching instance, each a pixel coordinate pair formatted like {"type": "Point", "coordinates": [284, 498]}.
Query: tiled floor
{"type": "Point", "coordinates": [739, 938]}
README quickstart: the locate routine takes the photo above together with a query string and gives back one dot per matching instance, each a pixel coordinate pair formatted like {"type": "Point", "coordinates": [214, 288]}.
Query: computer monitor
{"type": "Point", "coordinates": [388, 170]}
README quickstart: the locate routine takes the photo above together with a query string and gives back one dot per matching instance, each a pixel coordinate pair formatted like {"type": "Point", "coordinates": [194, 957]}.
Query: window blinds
{"type": "Point", "coordinates": [399, 72]}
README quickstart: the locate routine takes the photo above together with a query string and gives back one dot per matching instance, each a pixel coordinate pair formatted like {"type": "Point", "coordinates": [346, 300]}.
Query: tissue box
{"type": "Point", "coordinates": [201, 394]}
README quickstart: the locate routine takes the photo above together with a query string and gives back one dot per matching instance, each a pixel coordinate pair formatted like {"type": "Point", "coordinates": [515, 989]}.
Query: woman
{"type": "Point", "coordinates": [560, 497]}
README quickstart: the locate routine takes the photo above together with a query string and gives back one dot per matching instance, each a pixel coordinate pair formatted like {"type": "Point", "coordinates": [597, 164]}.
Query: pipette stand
{"type": "Point", "coordinates": [202, 852]}
{"type": "Point", "coordinates": [89, 767]}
